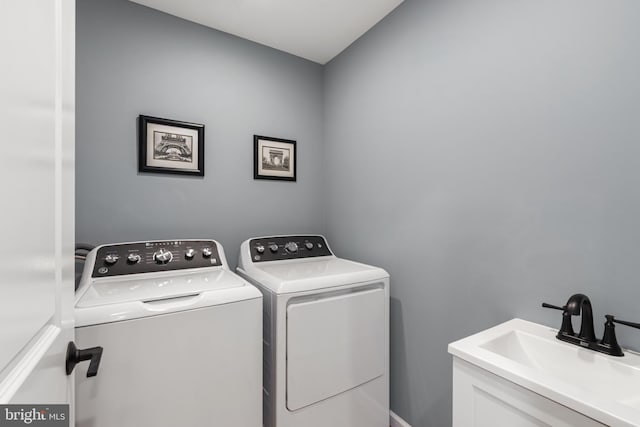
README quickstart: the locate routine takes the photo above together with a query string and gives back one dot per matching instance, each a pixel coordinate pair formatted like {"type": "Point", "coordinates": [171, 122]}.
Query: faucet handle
{"type": "Point", "coordinates": [609, 340]}
{"type": "Point", "coordinates": [555, 307]}
{"type": "Point", "coordinates": [567, 327]}
{"type": "Point", "coordinates": [611, 318]}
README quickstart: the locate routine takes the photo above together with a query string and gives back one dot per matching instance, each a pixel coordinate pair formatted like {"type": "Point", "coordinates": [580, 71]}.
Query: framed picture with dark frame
{"type": "Point", "coordinates": [274, 158]}
{"type": "Point", "coordinates": [170, 146]}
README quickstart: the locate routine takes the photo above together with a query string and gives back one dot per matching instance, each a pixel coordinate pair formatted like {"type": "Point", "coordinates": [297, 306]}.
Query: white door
{"type": "Point", "coordinates": [37, 79]}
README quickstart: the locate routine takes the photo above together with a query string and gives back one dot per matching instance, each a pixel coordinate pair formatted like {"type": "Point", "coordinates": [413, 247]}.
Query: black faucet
{"type": "Point", "coordinates": [580, 304]}
{"type": "Point", "coordinates": [576, 305]}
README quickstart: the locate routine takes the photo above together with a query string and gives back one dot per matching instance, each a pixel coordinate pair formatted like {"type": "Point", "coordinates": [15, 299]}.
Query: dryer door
{"type": "Point", "coordinates": [333, 345]}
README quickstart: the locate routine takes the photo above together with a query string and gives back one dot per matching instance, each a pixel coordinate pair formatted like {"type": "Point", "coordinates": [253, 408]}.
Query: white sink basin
{"type": "Point", "coordinates": [605, 388]}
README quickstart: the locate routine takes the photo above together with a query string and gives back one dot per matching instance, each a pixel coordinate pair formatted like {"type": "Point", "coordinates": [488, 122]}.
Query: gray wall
{"type": "Point", "coordinates": [486, 154]}
{"type": "Point", "coordinates": [133, 60]}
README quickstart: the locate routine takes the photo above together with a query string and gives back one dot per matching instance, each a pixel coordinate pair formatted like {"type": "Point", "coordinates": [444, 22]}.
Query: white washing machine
{"type": "Point", "coordinates": [181, 336]}
{"type": "Point", "coordinates": [326, 334]}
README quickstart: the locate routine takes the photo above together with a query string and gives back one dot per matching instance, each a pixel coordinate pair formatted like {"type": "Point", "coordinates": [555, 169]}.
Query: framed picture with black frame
{"type": "Point", "coordinates": [170, 146]}
{"type": "Point", "coordinates": [274, 158]}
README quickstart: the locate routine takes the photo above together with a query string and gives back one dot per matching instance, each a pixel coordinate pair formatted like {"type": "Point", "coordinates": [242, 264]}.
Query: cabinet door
{"type": "Point", "coordinates": [482, 399]}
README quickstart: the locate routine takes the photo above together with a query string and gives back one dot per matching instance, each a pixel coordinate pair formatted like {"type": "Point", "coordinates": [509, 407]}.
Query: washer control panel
{"type": "Point", "coordinates": [287, 247]}
{"type": "Point", "coordinates": [150, 257]}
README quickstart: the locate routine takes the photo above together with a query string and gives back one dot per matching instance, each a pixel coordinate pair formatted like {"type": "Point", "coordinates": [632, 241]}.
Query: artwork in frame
{"type": "Point", "coordinates": [274, 158]}
{"type": "Point", "coordinates": [170, 146]}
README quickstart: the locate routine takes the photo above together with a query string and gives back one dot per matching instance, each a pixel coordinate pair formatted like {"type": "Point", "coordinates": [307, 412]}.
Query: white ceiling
{"type": "Point", "coordinates": [317, 30]}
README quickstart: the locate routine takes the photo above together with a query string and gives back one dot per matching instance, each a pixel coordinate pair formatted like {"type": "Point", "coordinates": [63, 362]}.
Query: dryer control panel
{"type": "Point", "coordinates": [150, 257]}
{"type": "Point", "coordinates": [279, 248]}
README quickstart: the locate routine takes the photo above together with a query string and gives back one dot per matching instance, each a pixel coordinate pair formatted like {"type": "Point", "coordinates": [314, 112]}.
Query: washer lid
{"type": "Point", "coordinates": [304, 275]}
{"type": "Point", "coordinates": [134, 297]}
{"type": "Point", "coordinates": [150, 287]}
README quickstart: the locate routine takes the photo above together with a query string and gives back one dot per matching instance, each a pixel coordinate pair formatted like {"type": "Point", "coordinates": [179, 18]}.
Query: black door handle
{"type": "Point", "coordinates": [75, 356]}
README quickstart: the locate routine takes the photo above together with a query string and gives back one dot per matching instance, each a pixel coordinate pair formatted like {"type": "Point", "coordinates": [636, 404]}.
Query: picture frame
{"type": "Point", "coordinates": [274, 158]}
{"type": "Point", "coordinates": [170, 146]}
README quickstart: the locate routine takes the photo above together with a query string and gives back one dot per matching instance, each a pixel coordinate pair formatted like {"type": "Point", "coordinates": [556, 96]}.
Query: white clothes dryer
{"type": "Point", "coordinates": [326, 334]}
{"type": "Point", "coordinates": [181, 336]}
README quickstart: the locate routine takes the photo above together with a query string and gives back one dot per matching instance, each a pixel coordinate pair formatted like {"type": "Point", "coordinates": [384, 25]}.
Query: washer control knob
{"type": "Point", "coordinates": [133, 258]}
{"type": "Point", "coordinates": [162, 256]}
{"type": "Point", "coordinates": [260, 249]}
{"type": "Point", "coordinates": [111, 259]}
{"type": "Point", "coordinates": [206, 252]}
{"type": "Point", "coordinates": [274, 248]}
{"type": "Point", "coordinates": [308, 245]}
{"type": "Point", "coordinates": [190, 253]}
{"type": "Point", "coordinates": [291, 247]}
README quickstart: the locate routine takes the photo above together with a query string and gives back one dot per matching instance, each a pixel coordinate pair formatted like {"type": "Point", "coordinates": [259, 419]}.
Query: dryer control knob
{"type": "Point", "coordinates": [308, 245]}
{"type": "Point", "coordinates": [163, 256]}
{"type": "Point", "coordinates": [111, 259]}
{"type": "Point", "coordinates": [291, 247]}
{"type": "Point", "coordinates": [206, 252]}
{"type": "Point", "coordinates": [190, 253]}
{"type": "Point", "coordinates": [260, 249]}
{"type": "Point", "coordinates": [133, 258]}
{"type": "Point", "coordinates": [274, 248]}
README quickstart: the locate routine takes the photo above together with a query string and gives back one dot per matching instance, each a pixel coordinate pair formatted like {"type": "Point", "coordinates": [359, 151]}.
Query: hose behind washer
{"type": "Point", "coordinates": [82, 249]}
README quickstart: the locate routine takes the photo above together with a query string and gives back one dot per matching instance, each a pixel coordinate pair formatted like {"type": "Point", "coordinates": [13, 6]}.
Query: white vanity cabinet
{"type": "Point", "coordinates": [517, 374]}
{"type": "Point", "coordinates": [483, 399]}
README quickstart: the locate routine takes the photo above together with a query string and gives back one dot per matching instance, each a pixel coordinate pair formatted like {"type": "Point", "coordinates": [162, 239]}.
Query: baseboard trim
{"type": "Point", "coordinates": [396, 421]}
